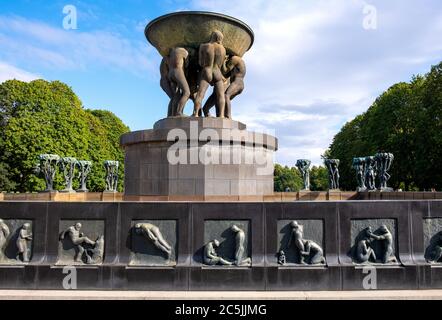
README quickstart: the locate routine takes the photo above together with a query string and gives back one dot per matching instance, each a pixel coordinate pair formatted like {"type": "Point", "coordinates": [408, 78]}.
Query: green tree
{"type": "Point", "coordinates": [404, 120]}
{"type": "Point", "coordinates": [47, 117]}
{"type": "Point", "coordinates": [318, 178]}
{"type": "Point", "coordinates": [285, 177]}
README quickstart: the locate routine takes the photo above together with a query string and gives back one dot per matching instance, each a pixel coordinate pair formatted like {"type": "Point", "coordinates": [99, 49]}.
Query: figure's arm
{"type": "Point", "coordinates": [226, 69]}
{"type": "Point", "coordinates": [186, 58]}
{"type": "Point", "coordinates": [6, 231]}
{"type": "Point", "coordinates": [300, 245]}
{"type": "Point", "coordinates": [306, 251]}
{"type": "Point", "coordinates": [364, 249]}
{"type": "Point", "coordinates": [200, 56]}
{"type": "Point", "coordinates": [210, 253]}
{"type": "Point", "coordinates": [376, 237]}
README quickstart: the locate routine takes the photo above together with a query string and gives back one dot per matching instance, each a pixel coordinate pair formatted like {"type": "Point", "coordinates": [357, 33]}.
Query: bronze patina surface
{"type": "Point", "coordinates": [191, 28]}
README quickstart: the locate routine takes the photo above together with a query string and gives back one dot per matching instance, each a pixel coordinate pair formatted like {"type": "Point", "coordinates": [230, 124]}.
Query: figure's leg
{"type": "Point", "coordinates": [166, 86]}
{"type": "Point", "coordinates": [224, 262]}
{"type": "Point", "coordinates": [163, 241]}
{"type": "Point", "coordinates": [174, 99]}
{"type": "Point", "coordinates": [437, 253]}
{"type": "Point", "coordinates": [211, 262]}
{"type": "Point", "coordinates": [232, 91]}
{"type": "Point", "coordinates": [85, 240]}
{"type": "Point", "coordinates": [317, 258]}
{"type": "Point", "coordinates": [372, 255]}
{"type": "Point", "coordinates": [25, 255]}
{"type": "Point", "coordinates": [389, 257]}
{"type": "Point", "coordinates": [220, 98]}
{"type": "Point", "coordinates": [80, 251]}
{"type": "Point", "coordinates": [182, 84]}
{"type": "Point", "coordinates": [204, 85]}
{"type": "Point", "coordinates": [245, 262]}
{"type": "Point", "coordinates": [211, 101]}
{"type": "Point", "coordinates": [239, 255]}
{"type": "Point", "coordinates": [162, 248]}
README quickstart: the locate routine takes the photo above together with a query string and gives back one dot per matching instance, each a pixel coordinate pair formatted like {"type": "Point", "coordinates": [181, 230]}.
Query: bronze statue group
{"type": "Point", "coordinates": [187, 73]}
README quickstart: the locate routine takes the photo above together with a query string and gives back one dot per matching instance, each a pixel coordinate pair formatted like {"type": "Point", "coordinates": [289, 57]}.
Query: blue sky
{"type": "Point", "coordinates": [312, 68]}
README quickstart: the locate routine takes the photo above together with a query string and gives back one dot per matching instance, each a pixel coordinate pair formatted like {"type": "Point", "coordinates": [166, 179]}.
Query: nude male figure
{"type": "Point", "coordinates": [4, 234]}
{"type": "Point", "coordinates": [237, 69]}
{"type": "Point", "coordinates": [315, 251]}
{"type": "Point", "coordinates": [78, 239]}
{"type": "Point", "coordinates": [211, 60]}
{"type": "Point", "coordinates": [296, 236]}
{"type": "Point", "coordinates": [153, 233]}
{"type": "Point", "coordinates": [387, 238]}
{"type": "Point", "coordinates": [235, 73]}
{"type": "Point", "coordinates": [211, 258]}
{"type": "Point", "coordinates": [24, 235]}
{"type": "Point", "coordinates": [180, 87]}
{"type": "Point", "coordinates": [239, 250]}
{"type": "Point", "coordinates": [166, 84]}
{"type": "Point", "coordinates": [434, 250]}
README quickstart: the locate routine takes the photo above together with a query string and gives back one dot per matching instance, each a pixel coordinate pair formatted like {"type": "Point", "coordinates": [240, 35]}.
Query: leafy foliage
{"type": "Point", "coordinates": [318, 178]}
{"type": "Point", "coordinates": [285, 177]}
{"type": "Point", "coordinates": [406, 121]}
{"type": "Point", "coordinates": [47, 117]}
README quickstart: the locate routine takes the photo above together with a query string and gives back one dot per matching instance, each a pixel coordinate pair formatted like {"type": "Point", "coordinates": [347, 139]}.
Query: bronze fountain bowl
{"type": "Point", "coordinates": [189, 29]}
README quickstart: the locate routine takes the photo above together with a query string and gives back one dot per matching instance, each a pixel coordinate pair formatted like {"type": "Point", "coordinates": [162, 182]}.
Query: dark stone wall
{"type": "Point", "coordinates": [131, 265]}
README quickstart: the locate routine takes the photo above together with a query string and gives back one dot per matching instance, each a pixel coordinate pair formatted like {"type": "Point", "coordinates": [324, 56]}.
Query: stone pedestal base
{"type": "Point", "coordinates": [198, 159]}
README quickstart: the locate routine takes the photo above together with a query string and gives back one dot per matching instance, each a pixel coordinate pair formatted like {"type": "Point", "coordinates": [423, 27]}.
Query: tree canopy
{"type": "Point", "coordinates": [406, 121]}
{"type": "Point", "coordinates": [286, 177]}
{"type": "Point", "coordinates": [47, 117]}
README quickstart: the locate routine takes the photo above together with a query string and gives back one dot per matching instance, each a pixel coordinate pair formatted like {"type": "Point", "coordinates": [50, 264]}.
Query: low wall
{"type": "Point", "coordinates": [276, 197]}
{"type": "Point", "coordinates": [131, 262]}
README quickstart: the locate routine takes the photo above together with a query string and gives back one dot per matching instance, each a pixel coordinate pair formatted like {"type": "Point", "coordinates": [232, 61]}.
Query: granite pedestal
{"type": "Point", "coordinates": [188, 158]}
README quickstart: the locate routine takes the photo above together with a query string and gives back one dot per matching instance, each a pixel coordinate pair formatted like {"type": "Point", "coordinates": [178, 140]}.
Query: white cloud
{"type": "Point", "coordinates": [26, 41]}
{"type": "Point", "coordinates": [8, 72]}
{"type": "Point", "coordinates": [313, 66]}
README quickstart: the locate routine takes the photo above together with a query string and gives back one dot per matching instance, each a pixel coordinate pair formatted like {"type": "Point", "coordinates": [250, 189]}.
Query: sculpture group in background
{"type": "Point", "coordinates": [365, 246]}
{"type": "Point", "coordinates": [359, 165]}
{"type": "Point", "coordinates": [383, 163]}
{"type": "Point", "coordinates": [370, 173]}
{"type": "Point", "coordinates": [67, 166]}
{"type": "Point", "coordinates": [47, 166]}
{"type": "Point", "coordinates": [332, 166]}
{"type": "Point", "coordinates": [304, 167]}
{"type": "Point", "coordinates": [309, 252]}
{"type": "Point", "coordinates": [372, 167]}
{"type": "Point", "coordinates": [211, 257]}
{"type": "Point", "coordinates": [187, 73]}
{"type": "Point", "coordinates": [85, 168]}
{"type": "Point", "coordinates": [86, 250]}
{"type": "Point", "coordinates": [111, 179]}
{"type": "Point", "coordinates": [433, 252]}
{"type": "Point", "coordinates": [153, 234]}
